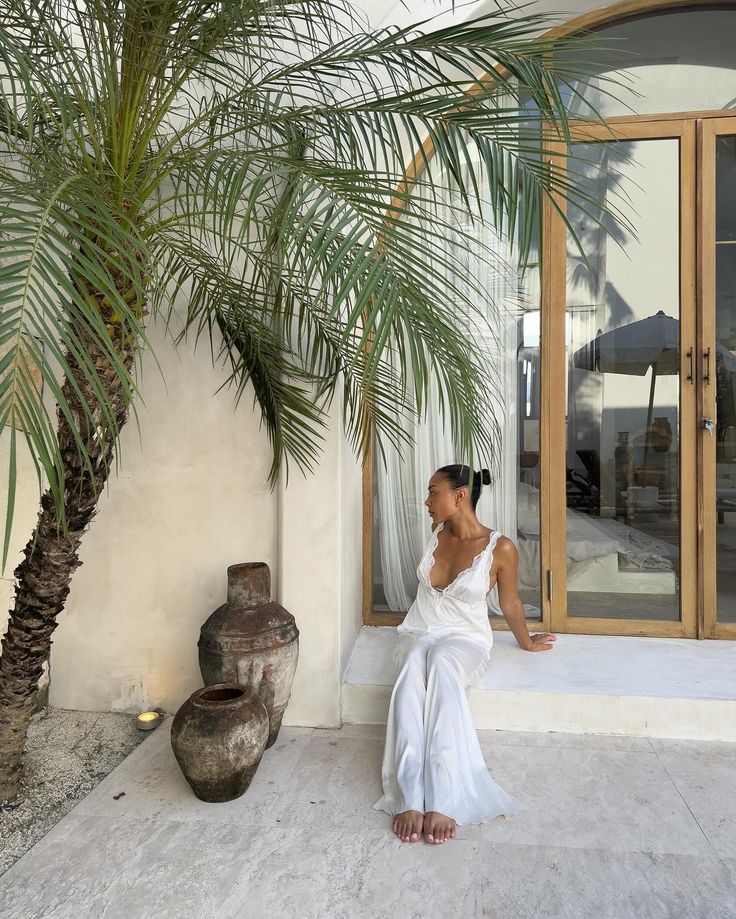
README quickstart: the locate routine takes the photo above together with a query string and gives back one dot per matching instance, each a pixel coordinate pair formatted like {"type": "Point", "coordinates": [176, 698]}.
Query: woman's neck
{"type": "Point", "coordinates": [464, 527]}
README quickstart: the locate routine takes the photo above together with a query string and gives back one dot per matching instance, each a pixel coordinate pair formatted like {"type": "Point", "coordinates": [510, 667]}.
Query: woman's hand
{"type": "Point", "coordinates": [540, 641]}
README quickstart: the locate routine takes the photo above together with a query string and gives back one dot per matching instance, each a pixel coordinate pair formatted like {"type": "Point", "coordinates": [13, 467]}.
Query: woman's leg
{"type": "Point", "coordinates": [457, 783]}
{"type": "Point", "coordinates": [402, 769]}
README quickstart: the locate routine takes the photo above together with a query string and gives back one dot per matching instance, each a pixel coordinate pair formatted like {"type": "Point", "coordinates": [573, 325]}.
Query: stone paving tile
{"type": "Point", "coordinates": [155, 786]}
{"type": "Point", "coordinates": [609, 832]}
{"type": "Point", "coordinates": [553, 882]}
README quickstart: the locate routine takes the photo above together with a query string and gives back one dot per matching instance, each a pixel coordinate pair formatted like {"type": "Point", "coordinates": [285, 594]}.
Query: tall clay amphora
{"type": "Point", "coordinates": [253, 641]}
{"type": "Point", "coordinates": [218, 737]}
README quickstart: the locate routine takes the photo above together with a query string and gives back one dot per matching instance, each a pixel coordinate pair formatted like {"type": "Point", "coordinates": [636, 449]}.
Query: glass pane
{"type": "Point", "coordinates": [678, 61]}
{"type": "Point", "coordinates": [622, 388]}
{"type": "Point", "coordinates": [725, 364]}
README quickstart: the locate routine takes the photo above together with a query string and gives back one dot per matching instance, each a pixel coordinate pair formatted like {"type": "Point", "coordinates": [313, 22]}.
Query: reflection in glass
{"type": "Point", "coordinates": [674, 61]}
{"type": "Point", "coordinates": [725, 364]}
{"type": "Point", "coordinates": [622, 389]}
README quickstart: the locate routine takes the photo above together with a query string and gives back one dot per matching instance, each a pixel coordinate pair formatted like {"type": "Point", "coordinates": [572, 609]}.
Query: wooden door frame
{"type": "Point", "coordinates": [552, 500]}
{"type": "Point", "coordinates": [554, 234]}
{"type": "Point", "coordinates": [697, 132]}
{"type": "Point", "coordinates": [708, 131]}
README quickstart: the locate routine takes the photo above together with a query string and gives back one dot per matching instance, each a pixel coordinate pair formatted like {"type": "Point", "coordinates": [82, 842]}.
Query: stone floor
{"type": "Point", "coordinates": [615, 827]}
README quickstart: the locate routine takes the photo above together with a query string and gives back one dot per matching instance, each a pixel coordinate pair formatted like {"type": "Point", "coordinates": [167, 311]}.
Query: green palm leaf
{"type": "Point", "coordinates": [252, 157]}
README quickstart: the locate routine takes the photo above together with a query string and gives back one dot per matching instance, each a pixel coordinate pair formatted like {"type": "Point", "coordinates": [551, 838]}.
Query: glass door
{"type": "Point", "coordinates": [717, 379]}
{"type": "Point", "coordinates": [622, 438]}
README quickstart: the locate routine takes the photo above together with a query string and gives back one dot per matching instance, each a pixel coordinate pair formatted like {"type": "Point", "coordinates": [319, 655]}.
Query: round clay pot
{"type": "Point", "coordinates": [218, 736]}
{"type": "Point", "coordinates": [253, 641]}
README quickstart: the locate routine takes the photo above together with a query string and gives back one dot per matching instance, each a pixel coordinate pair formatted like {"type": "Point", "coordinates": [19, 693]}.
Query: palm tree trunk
{"type": "Point", "coordinates": [44, 575]}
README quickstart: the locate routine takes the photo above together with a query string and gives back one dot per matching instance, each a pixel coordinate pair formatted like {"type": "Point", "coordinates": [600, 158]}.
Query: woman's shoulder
{"type": "Point", "coordinates": [506, 549]}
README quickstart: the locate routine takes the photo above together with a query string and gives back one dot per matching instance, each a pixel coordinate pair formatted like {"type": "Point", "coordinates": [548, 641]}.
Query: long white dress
{"type": "Point", "coordinates": [432, 760]}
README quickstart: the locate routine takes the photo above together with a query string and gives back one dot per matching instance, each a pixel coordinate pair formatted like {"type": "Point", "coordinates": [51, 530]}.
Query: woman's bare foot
{"type": "Point", "coordinates": [438, 827]}
{"type": "Point", "coordinates": [408, 825]}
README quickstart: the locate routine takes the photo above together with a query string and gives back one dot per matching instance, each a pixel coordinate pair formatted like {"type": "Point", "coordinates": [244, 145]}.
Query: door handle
{"type": "Point", "coordinates": [706, 372]}
{"type": "Point", "coordinates": [690, 359]}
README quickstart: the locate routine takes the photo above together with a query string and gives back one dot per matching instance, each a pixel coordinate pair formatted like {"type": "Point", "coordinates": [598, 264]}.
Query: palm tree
{"type": "Point", "coordinates": [248, 156]}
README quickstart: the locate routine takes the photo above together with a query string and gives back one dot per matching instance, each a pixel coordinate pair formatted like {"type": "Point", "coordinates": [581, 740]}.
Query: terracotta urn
{"type": "Point", "coordinates": [219, 736]}
{"type": "Point", "coordinates": [253, 641]}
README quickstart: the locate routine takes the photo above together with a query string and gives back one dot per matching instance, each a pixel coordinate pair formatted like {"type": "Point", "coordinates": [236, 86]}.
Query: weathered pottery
{"type": "Point", "coordinates": [252, 640]}
{"type": "Point", "coordinates": [219, 736]}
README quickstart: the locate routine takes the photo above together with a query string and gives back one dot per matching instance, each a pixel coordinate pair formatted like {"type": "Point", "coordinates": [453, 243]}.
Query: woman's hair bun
{"type": "Point", "coordinates": [486, 476]}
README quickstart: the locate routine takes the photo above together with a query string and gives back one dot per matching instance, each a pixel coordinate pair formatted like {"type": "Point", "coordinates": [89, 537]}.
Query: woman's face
{"type": "Point", "coordinates": [442, 500]}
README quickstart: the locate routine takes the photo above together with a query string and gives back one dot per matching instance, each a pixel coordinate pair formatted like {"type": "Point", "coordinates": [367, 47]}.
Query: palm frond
{"type": "Point", "coordinates": [251, 157]}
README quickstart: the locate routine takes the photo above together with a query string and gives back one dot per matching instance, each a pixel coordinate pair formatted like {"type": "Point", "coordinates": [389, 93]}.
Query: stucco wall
{"type": "Point", "coordinates": [351, 547]}
{"type": "Point", "coordinates": [190, 499]}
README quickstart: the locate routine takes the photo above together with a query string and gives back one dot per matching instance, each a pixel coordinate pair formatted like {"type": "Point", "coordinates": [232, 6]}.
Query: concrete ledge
{"type": "Point", "coordinates": [600, 684]}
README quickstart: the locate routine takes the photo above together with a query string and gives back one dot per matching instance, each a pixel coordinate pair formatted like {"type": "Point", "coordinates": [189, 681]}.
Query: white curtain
{"type": "Point", "coordinates": [403, 524]}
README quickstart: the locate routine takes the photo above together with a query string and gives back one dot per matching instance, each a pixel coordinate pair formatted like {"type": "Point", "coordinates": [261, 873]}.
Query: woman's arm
{"type": "Point", "coordinates": [510, 602]}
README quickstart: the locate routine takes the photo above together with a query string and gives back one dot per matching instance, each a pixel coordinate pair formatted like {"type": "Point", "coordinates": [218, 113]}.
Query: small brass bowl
{"type": "Point", "coordinates": [147, 721]}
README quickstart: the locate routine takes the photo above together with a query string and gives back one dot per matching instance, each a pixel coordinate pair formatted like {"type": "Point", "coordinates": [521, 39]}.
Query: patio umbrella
{"type": "Point", "coordinates": [634, 348]}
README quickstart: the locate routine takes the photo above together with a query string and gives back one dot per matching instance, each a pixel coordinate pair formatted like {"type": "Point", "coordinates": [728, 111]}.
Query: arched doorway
{"type": "Point", "coordinates": [645, 490]}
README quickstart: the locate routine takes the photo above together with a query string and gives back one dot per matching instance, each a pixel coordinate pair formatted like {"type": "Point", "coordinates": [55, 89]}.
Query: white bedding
{"type": "Point", "coordinates": [588, 537]}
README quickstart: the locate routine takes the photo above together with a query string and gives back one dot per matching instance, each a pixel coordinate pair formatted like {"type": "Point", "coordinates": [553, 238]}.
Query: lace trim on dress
{"type": "Point", "coordinates": [431, 551]}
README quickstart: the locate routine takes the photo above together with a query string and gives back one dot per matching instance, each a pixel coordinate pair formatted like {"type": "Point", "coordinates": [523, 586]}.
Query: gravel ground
{"type": "Point", "coordinates": [67, 754]}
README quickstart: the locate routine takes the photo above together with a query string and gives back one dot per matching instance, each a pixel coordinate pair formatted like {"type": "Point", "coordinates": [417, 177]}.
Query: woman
{"type": "Point", "coordinates": [433, 772]}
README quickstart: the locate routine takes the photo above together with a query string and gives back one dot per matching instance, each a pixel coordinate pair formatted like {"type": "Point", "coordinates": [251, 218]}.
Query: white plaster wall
{"type": "Point", "coordinates": [191, 498]}
{"type": "Point", "coordinates": [385, 12]}
{"type": "Point", "coordinates": [309, 582]}
{"type": "Point", "coordinates": [320, 573]}
{"type": "Point", "coordinates": [351, 547]}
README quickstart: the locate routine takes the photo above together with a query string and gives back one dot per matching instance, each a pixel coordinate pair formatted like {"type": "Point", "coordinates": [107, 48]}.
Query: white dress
{"type": "Point", "coordinates": [432, 760]}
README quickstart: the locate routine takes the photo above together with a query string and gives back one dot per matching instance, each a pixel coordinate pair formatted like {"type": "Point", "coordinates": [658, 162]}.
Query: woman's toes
{"type": "Point", "coordinates": [408, 825]}
{"type": "Point", "coordinates": [438, 832]}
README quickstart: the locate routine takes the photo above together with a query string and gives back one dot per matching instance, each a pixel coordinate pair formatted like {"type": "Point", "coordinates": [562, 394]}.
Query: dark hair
{"type": "Point", "coordinates": [458, 475]}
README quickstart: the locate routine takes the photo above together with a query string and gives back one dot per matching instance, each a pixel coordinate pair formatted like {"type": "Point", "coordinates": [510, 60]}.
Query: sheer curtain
{"type": "Point", "coordinates": [403, 524]}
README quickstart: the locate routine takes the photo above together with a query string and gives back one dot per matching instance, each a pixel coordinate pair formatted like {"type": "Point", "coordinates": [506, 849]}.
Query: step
{"type": "Point", "coordinates": [602, 684]}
